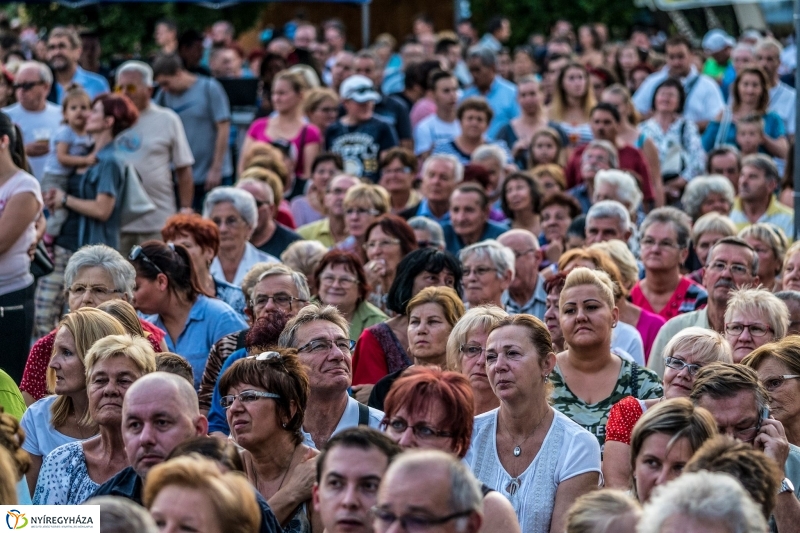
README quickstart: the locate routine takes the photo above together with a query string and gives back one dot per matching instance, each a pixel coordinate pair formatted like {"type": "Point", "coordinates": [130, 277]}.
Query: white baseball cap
{"type": "Point", "coordinates": [717, 40]}
{"type": "Point", "coordinates": [359, 89]}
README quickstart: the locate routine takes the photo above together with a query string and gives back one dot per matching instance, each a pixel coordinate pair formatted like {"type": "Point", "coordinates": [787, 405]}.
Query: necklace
{"type": "Point", "coordinates": [515, 482]}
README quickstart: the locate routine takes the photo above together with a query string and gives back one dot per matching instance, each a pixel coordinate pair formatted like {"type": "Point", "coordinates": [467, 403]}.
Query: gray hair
{"type": "Point", "coordinates": [762, 302]}
{"type": "Point", "coordinates": [763, 163]}
{"type": "Point", "coordinates": [501, 256]}
{"type": "Point", "coordinates": [310, 313]}
{"type": "Point", "coordinates": [788, 296]}
{"type": "Point", "coordinates": [458, 167]}
{"type": "Point", "coordinates": [698, 189]}
{"type": "Point", "coordinates": [304, 256]}
{"type": "Point", "coordinates": [670, 215]}
{"type": "Point", "coordinates": [713, 222]}
{"type": "Point", "coordinates": [736, 241]}
{"type": "Point", "coordinates": [489, 151]}
{"type": "Point", "coordinates": [704, 496]}
{"type": "Point", "coordinates": [769, 42]}
{"type": "Point", "coordinates": [486, 56]}
{"type": "Point", "coordinates": [44, 71]}
{"type": "Point", "coordinates": [628, 192]}
{"type": "Point", "coordinates": [432, 227]}
{"type": "Point", "coordinates": [140, 67]}
{"type": "Point", "coordinates": [241, 200]}
{"type": "Point", "coordinates": [268, 192]}
{"type": "Point", "coordinates": [99, 255]}
{"type": "Point", "coordinates": [121, 515]}
{"type": "Point", "coordinates": [279, 269]}
{"type": "Point", "coordinates": [485, 317]}
{"type": "Point", "coordinates": [610, 209]}
{"type": "Point", "coordinates": [743, 46]}
{"type": "Point", "coordinates": [607, 147]}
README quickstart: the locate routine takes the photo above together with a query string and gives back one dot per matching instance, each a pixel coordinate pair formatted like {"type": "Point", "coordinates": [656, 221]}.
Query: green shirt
{"type": "Point", "coordinates": [10, 396]}
{"type": "Point", "coordinates": [318, 231]}
{"type": "Point", "coordinates": [366, 315]}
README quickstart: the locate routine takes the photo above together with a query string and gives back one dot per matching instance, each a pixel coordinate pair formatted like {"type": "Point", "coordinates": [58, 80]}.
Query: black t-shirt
{"type": "Point", "coordinates": [381, 389]}
{"type": "Point", "coordinates": [396, 115]}
{"type": "Point", "coordinates": [279, 241]}
{"type": "Point", "coordinates": [361, 145]}
{"type": "Point", "coordinates": [68, 236]}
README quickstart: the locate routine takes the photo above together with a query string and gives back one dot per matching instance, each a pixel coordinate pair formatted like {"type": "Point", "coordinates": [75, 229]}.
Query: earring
{"type": "Point", "coordinates": [547, 379]}
{"type": "Point", "coordinates": [284, 425]}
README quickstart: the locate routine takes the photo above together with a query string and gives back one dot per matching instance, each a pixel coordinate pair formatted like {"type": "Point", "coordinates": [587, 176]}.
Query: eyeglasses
{"type": "Point", "coordinates": [471, 351]}
{"type": "Point", "coordinates": [647, 242]}
{"type": "Point", "coordinates": [412, 523]}
{"type": "Point", "coordinates": [231, 222]}
{"type": "Point", "coordinates": [59, 46]}
{"type": "Point", "coordinates": [479, 271]}
{"type": "Point", "coordinates": [27, 85]}
{"type": "Point", "coordinates": [737, 269]}
{"type": "Point", "coordinates": [398, 170]}
{"type": "Point", "coordinates": [95, 290]}
{"type": "Point", "coordinates": [421, 431]}
{"type": "Point", "coordinates": [323, 345]}
{"type": "Point", "coordinates": [361, 211]}
{"type": "Point", "coordinates": [679, 364]}
{"type": "Point", "coordinates": [745, 435]}
{"type": "Point", "coordinates": [128, 88]}
{"type": "Point", "coordinates": [138, 253]}
{"type": "Point", "coordinates": [774, 383]}
{"type": "Point", "coordinates": [380, 244]}
{"type": "Point", "coordinates": [248, 396]}
{"type": "Point", "coordinates": [526, 252]}
{"type": "Point", "coordinates": [329, 109]}
{"type": "Point", "coordinates": [344, 281]}
{"type": "Point", "coordinates": [756, 330]}
{"type": "Point", "coordinates": [281, 300]}
{"type": "Point", "coordinates": [428, 244]}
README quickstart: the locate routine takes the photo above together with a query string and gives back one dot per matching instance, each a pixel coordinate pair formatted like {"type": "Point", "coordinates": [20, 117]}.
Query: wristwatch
{"type": "Point", "coordinates": [786, 486]}
{"type": "Point", "coordinates": [64, 201]}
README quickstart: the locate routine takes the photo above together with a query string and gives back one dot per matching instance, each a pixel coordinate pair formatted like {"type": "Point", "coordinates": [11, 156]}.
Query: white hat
{"type": "Point", "coordinates": [358, 88]}
{"type": "Point", "coordinates": [717, 40]}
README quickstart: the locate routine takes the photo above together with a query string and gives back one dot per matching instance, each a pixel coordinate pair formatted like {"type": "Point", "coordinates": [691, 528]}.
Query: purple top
{"type": "Point", "coordinates": [648, 326]}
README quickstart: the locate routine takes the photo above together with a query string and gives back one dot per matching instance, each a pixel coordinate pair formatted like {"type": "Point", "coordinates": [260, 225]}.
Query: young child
{"type": "Point", "coordinates": [545, 148]}
{"type": "Point", "coordinates": [749, 132]}
{"type": "Point", "coordinates": [70, 148]}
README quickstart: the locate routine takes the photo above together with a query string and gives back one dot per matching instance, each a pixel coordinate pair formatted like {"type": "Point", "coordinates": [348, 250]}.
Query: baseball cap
{"type": "Point", "coordinates": [717, 40]}
{"type": "Point", "coordinates": [359, 89]}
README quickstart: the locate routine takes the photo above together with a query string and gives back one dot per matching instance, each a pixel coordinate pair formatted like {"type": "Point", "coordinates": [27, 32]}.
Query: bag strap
{"type": "Point", "coordinates": [363, 415]}
{"type": "Point", "coordinates": [635, 380]}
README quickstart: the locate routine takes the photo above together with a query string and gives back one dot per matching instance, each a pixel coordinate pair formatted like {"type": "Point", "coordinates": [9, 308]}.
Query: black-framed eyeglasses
{"type": "Point", "coordinates": [679, 364]}
{"type": "Point", "coordinates": [323, 345]}
{"type": "Point", "coordinates": [471, 351]}
{"type": "Point", "coordinates": [421, 431]}
{"type": "Point", "coordinates": [756, 330]}
{"type": "Point", "coordinates": [248, 396]}
{"type": "Point", "coordinates": [138, 253]}
{"type": "Point", "coordinates": [282, 300]}
{"type": "Point", "coordinates": [413, 523]}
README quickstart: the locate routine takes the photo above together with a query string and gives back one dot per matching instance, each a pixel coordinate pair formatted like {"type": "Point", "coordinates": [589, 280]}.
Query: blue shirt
{"type": "Point", "coordinates": [209, 320]}
{"type": "Point", "coordinates": [454, 244]}
{"type": "Point", "coordinates": [581, 193]}
{"type": "Point", "coordinates": [217, 421]}
{"type": "Point", "coordinates": [502, 98]}
{"type": "Point", "coordinates": [536, 306]}
{"type": "Point", "coordinates": [424, 210]}
{"type": "Point", "coordinates": [93, 84]}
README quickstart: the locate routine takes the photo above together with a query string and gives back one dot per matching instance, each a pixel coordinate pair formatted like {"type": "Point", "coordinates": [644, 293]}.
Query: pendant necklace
{"type": "Point", "coordinates": [515, 482]}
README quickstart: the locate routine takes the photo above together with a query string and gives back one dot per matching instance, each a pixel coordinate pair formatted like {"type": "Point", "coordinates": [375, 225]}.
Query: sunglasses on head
{"type": "Point", "coordinates": [138, 253]}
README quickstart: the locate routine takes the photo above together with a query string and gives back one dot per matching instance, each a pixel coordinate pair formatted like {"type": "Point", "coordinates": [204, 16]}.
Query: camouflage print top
{"type": "Point", "coordinates": [594, 417]}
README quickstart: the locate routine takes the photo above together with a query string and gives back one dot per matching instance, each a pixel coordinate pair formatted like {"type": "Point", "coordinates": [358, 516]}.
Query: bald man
{"type": "Point", "coordinates": [526, 293]}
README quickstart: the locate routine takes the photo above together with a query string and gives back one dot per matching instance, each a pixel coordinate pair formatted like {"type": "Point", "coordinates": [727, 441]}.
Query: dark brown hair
{"type": "Point", "coordinates": [351, 262]}
{"type": "Point", "coordinates": [398, 228]}
{"type": "Point", "coordinates": [175, 263]}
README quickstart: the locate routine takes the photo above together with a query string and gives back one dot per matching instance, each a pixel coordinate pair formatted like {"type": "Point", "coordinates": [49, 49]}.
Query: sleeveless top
{"type": "Point", "coordinates": [396, 356]}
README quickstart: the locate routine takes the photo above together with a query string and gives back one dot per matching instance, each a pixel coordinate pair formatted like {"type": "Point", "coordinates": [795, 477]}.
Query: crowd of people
{"type": "Point", "coordinates": [440, 286]}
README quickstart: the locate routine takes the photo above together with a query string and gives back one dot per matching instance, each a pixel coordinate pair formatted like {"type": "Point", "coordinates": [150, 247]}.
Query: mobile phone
{"type": "Point", "coordinates": [765, 413]}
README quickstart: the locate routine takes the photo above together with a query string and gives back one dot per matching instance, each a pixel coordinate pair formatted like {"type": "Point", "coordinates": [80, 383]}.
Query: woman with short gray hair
{"type": "Point", "coordinates": [705, 194]}
{"type": "Point", "coordinates": [429, 233]}
{"type": "Point", "coordinates": [235, 213]}
{"type": "Point", "coordinates": [488, 268]}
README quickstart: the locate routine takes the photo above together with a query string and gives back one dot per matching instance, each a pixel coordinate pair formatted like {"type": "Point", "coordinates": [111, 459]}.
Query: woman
{"type": "Point", "coordinates": [265, 399]}
{"type": "Point", "coordinates": [341, 282]}
{"type": "Point", "coordinates": [63, 417]}
{"type": "Point", "coordinates": [526, 447]}
{"type": "Point", "coordinates": [588, 379]}
{"type": "Point", "coordinates": [684, 355]}
{"type": "Point", "coordinates": [603, 511]}
{"type": "Point", "coordinates": [235, 212]}
{"type": "Point", "coordinates": [474, 116]}
{"type": "Point", "coordinates": [790, 280]}
{"type": "Point", "coordinates": [20, 207]}
{"type": "Point", "coordinates": [487, 166]}
{"type": "Point", "coordinates": [488, 268]}
{"type": "Point", "coordinates": [363, 204]}
{"type": "Point", "coordinates": [749, 96]}
{"type": "Point", "coordinates": [627, 57]}
{"type": "Point", "coordinates": [778, 368]}
{"type": "Point", "coordinates": [72, 472]}
{"type": "Point", "coordinates": [769, 242]}
{"type": "Point", "coordinates": [398, 172]}
{"type": "Point", "coordinates": [389, 240]}
{"type": "Point", "coordinates": [550, 178]}
{"type": "Point", "coordinates": [126, 315]}
{"type": "Point", "coordinates": [520, 200]}
{"type": "Point", "coordinates": [287, 122]}
{"type": "Point", "coordinates": [168, 294]}
{"type": "Point", "coordinates": [381, 349]}
{"type": "Point", "coordinates": [706, 231]}
{"type": "Point", "coordinates": [546, 149]}
{"type": "Point", "coordinates": [200, 237]}
{"type": "Point", "coordinates": [310, 206]}
{"type": "Point", "coordinates": [753, 318]}
{"type": "Point", "coordinates": [437, 407]}
{"type": "Point", "coordinates": [706, 194]}
{"type": "Point", "coordinates": [466, 353]}
{"type": "Point", "coordinates": [558, 210]}
{"type": "Point", "coordinates": [321, 107]}
{"type": "Point", "coordinates": [680, 149]}
{"type": "Point", "coordinates": [523, 63]}
{"type": "Point", "coordinates": [573, 100]}
{"type": "Point", "coordinates": [591, 46]}
{"type": "Point", "coordinates": [303, 257]}
{"type": "Point", "coordinates": [194, 494]}
{"type": "Point", "coordinates": [639, 73]}
{"type": "Point", "coordinates": [553, 287]}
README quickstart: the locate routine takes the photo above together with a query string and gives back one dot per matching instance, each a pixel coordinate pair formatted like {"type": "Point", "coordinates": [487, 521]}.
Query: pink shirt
{"type": "Point", "coordinates": [309, 134]}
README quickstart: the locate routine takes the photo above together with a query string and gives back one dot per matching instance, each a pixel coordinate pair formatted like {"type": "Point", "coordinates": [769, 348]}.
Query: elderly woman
{"type": "Point", "coordinates": [235, 213]}
{"type": "Point", "coordinates": [200, 237]}
{"type": "Point", "coordinates": [488, 269]}
{"type": "Point", "coordinates": [466, 352]}
{"type": "Point", "coordinates": [64, 417]}
{"type": "Point", "coordinates": [363, 204]}
{"type": "Point", "coordinates": [194, 494]}
{"type": "Point", "coordinates": [665, 242]}
{"type": "Point", "coordinates": [493, 158]}
{"type": "Point", "coordinates": [550, 178]}
{"type": "Point", "coordinates": [558, 211]}
{"type": "Point", "coordinates": [707, 194]}
{"type": "Point", "coordinates": [93, 275]}
{"type": "Point", "coordinates": [310, 206]}
{"type": "Point", "coordinates": [381, 349]}
{"type": "Point", "coordinates": [553, 288]}
{"type": "Point", "coordinates": [265, 399]}
{"type": "Point", "coordinates": [663, 440]}
{"type": "Point", "coordinates": [398, 172]}
{"type": "Point", "coordinates": [706, 231]}
{"type": "Point", "coordinates": [474, 116]}
{"type": "Point", "coordinates": [588, 379]}
{"type": "Point", "coordinates": [520, 201]}
{"type": "Point", "coordinates": [341, 282]}
{"type": "Point", "coordinates": [72, 472]}
{"type": "Point", "coordinates": [619, 186]}
{"type": "Point", "coordinates": [526, 447]}
{"type": "Point", "coordinates": [389, 240]}
{"type": "Point", "coordinates": [429, 233]}
{"type": "Point", "coordinates": [303, 257]}
{"type": "Point", "coordinates": [168, 294]}
{"type": "Point", "coordinates": [753, 318]}
{"type": "Point", "coordinates": [778, 368]}
{"type": "Point", "coordinates": [790, 280]}
{"type": "Point", "coordinates": [437, 407]}
{"type": "Point", "coordinates": [769, 242]}
{"type": "Point", "coordinates": [684, 355]}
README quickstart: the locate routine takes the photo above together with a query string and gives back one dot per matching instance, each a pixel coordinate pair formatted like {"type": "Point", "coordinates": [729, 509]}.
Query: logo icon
{"type": "Point", "coordinates": [16, 519]}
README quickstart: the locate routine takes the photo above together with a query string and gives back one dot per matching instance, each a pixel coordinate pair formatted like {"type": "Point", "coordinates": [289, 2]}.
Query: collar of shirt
{"type": "Point", "coordinates": [539, 296]}
{"type": "Point", "coordinates": [349, 419]}
{"type": "Point", "coordinates": [425, 211]}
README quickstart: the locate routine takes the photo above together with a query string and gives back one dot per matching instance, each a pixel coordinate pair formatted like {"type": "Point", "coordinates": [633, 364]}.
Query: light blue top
{"type": "Point", "coordinates": [64, 477]}
{"type": "Point", "coordinates": [424, 210]}
{"type": "Point", "coordinates": [93, 84]}
{"type": "Point", "coordinates": [502, 98]}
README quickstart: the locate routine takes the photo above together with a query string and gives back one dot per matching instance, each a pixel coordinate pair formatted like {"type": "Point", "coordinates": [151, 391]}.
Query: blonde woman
{"type": "Point", "coordinates": [603, 511]}
{"type": "Point", "coordinates": [573, 100]}
{"type": "Point", "coordinates": [769, 242]}
{"type": "Point", "coordinates": [363, 204]}
{"type": "Point", "coordinates": [790, 280]}
{"type": "Point", "coordinates": [753, 318]}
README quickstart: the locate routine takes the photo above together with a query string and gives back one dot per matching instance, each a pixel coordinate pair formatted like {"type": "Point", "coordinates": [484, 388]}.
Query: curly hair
{"type": "Point", "coordinates": [11, 438]}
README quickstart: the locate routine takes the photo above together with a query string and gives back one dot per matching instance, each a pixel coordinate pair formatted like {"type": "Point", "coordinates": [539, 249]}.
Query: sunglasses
{"type": "Point", "coordinates": [27, 85]}
{"type": "Point", "coordinates": [138, 253]}
{"type": "Point", "coordinates": [127, 88]}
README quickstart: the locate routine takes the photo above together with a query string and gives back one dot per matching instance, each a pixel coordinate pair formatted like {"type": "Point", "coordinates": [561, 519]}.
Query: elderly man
{"type": "Point", "coordinates": [792, 301]}
{"type": "Point", "coordinates": [608, 220]}
{"type": "Point", "coordinates": [63, 53]}
{"type": "Point", "coordinates": [488, 269]}
{"type": "Point", "coordinates": [156, 145]}
{"type": "Point", "coordinates": [269, 236]}
{"type": "Point", "coordinates": [498, 92]}
{"type": "Point", "coordinates": [782, 98]}
{"type": "Point", "coordinates": [341, 69]}
{"type": "Point", "coordinates": [598, 155]}
{"type": "Point", "coordinates": [352, 460]}
{"type": "Point", "coordinates": [441, 173]}
{"type": "Point", "coordinates": [753, 318]}
{"type": "Point", "coordinates": [469, 218]}
{"type": "Point", "coordinates": [731, 264]}
{"type": "Point", "coordinates": [37, 118]}
{"type": "Point", "coordinates": [331, 229]}
{"type": "Point", "coordinates": [525, 294]}
{"type": "Point", "coordinates": [431, 484]}
{"type": "Point", "coordinates": [725, 161]}
{"type": "Point", "coordinates": [740, 406]}
{"type": "Point", "coordinates": [756, 201]}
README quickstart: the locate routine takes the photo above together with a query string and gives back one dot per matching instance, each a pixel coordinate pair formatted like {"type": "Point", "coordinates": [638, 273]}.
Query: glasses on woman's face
{"type": "Point", "coordinates": [231, 221]}
{"type": "Point", "coordinates": [246, 397]}
{"type": "Point", "coordinates": [679, 364]}
{"type": "Point", "coordinates": [360, 211]}
{"type": "Point", "coordinates": [756, 330]}
{"type": "Point", "coordinates": [471, 351]}
{"type": "Point", "coordinates": [344, 282]}
{"type": "Point", "coordinates": [421, 431]}
{"type": "Point", "coordinates": [369, 245]}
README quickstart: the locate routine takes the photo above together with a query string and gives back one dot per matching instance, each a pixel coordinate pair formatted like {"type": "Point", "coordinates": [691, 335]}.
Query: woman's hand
{"type": "Point", "coordinates": [303, 476]}
{"type": "Point", "coordinates": [554, 251]}
{"type": "Point", "coordinates": [375, 271]}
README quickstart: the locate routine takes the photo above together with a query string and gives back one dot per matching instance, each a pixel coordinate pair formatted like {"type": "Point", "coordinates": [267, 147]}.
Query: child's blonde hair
{"type": "Point", "coordinates": [74, 92]}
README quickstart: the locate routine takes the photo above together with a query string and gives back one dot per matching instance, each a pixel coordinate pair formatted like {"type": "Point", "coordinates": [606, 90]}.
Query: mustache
{"type": "Point", "coordinates": [725, 283]}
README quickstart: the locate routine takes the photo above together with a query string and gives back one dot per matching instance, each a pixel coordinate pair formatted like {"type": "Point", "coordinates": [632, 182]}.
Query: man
{"type": "Point", "coordinates": [155, 145]}
{"type": "Point", "coordinates": [166, 36]}
{"type": "Point", "coordinates": [431, 484]}
{"type": "Point", "coordinates": [703, 96]}
{"type": "Point", "coordinates": [604, 120]}
{"type": "Point", "coordinates": [349, 470]}
{"type": "Point", "coordinates": [555, 64]}
{"type": "Point", "coordinates": [225, 63]}
{"type": "Point", "coordinates": [501, 94]}
{"type": "Point", "coordinates": [305, 34]}
{"type": "Point", "coordinates": [469, 218]}
{"type": "Point", "coordinates": [269, 236]}
{"type": "Point", "coordinates": [717, 45]}
{"type": "Point", "coordinates": [525, 294]}
{"type": "Point", "coordinates": [450, 50]}
{"type": "Point", "coordinates": [331, 229]}
{"type": "Point", "coordinates": [191, 50]}
{"type": "Point", "coordinates": [222, 33]}
{"type": "Point", "coordinates": [792, 301]}
{"type": "Point", "coordinates": [743, 55]}
{"type": "Point", "coordinates": [441, 173]}
{"type": "Point", "coordinates": [358, 136]}
{"type": "Point", "coordinates": [756, 201]}
{"type": "Point", "coordinates": [63, 52]}
{"type": "Point", "coordinates": [782, 98]}
{"type": "Point", "coordinates": [394, 79]}
{"type": "Point", "coordinates": [498, 31]}
{"type": "Point", "coordinates": [740, 406]}
{"type": "Point", "coordinates": [598, 155]}
{"type": "Point", "coordinates": [388, 110]}
{"type": "Point", "coordinates": [37, 118]}
{"type": "Point", "coordinates": [203, 107]}
{"type": "Point", "coordinates": [442, 126]}
{"type": "Point", "coordinates": [341, 68]}
{"type": "Point", "coordinates": [608, 220]}
{"type": "Point", "coordinates": [731, 264]}
{"type": "Point", "coordinates": [725, 161]}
